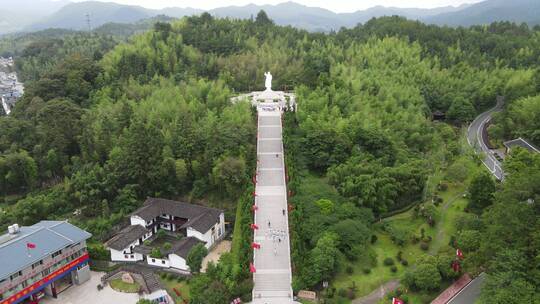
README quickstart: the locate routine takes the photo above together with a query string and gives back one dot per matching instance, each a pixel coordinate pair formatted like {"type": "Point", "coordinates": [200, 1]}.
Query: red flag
{"type": "Point", "coordinates": [30, 245]}
{"type": "Point", "coordinates": [455, 266]}
{"type": "Point", "coordinates": [254, 226]}
{"type": "Point", "coordinates": [254, 194]}
{"type": "Point", "coordinates": [255, 245]}
{"type": "Point", "coordinates": [254, 208]}
{"type": "Point", "coordinates": [252, 268]}
{"type": "Point", "coordinates": [397, 301]}
{"type": "Point", "coordinates": [459, 254]}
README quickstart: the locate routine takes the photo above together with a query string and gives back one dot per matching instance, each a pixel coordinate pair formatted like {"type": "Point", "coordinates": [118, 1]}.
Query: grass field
{"type": "Point", "coordinates": [122, 286]}
{"type": "Point", "coordinates": [452, 205]}
{"type": "Point", "coordinates": [182, 287]}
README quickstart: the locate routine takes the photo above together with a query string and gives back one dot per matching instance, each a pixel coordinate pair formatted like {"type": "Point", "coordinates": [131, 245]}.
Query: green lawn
{"type": "Point", "coordinates": [182, 287]}
{"type": "Point", "coordinates": [122, 286]}
{"type": "Point", "coordinates": [453, 204]}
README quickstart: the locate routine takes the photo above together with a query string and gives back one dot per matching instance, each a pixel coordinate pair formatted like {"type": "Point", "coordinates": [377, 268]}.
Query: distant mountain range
{"type": "Point", "coordinates": [32, 15]}
{"type": "Point", "coordinates": [79, 16]}
{"type": "Point", "coordinates": [518, 11]}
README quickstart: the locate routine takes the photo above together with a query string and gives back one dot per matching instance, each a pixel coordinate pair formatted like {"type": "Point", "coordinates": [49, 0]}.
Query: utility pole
{"type": "Point", "coordinates": [88, 21]}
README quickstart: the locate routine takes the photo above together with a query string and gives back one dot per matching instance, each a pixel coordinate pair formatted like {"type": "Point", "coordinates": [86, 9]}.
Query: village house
{"type": "Point", "coordinates": [41, 260]}
{"type": "Point", "coordinates": [186, 225]}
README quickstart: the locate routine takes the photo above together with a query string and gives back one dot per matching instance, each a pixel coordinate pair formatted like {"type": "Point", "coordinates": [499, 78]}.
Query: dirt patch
{"type": "Point", "coordinates": [215, 254]}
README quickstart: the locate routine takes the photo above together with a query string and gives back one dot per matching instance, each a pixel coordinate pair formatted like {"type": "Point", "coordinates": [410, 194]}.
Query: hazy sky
{"type": "Point", "coordinates": [334, 5]}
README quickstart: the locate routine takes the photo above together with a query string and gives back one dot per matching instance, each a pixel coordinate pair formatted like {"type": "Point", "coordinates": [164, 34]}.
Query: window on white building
{"type": "Point", "coordinates": [153, 260]}
{"type": "Point", "coordinates": [15, 275]}
{"type": "Point", "coordinates": [37, 264]}
{"type": "Point", "coordinates": [162, 262]}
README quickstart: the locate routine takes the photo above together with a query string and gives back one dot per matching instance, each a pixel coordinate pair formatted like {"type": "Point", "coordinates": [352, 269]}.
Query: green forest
{"type": "Point", "coordinates": [107, 120]}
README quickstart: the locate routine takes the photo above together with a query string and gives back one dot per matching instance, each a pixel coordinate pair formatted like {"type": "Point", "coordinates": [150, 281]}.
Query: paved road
{"type": "Point", "coordinates": [476, 140]}
{"type": "Point", "coordinates": [470, 293]}
{"type": "Point", "coordinates": [272, 279]}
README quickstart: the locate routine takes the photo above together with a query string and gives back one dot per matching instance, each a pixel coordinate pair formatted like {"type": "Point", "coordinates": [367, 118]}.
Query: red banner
{"type": "Point", "coordinates": [29, 290]}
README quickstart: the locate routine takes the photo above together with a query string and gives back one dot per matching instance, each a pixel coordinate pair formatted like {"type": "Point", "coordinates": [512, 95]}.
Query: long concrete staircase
{"type": "Point", "coordinates": [272, 277]}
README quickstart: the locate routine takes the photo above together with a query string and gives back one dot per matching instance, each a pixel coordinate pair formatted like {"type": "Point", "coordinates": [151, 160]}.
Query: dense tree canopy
{"type": "Point", "coordinates": [102, 125]}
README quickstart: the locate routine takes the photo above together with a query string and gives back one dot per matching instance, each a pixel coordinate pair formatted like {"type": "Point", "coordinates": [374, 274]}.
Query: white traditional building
{"type": "Point", "coordinates": [187, 225]}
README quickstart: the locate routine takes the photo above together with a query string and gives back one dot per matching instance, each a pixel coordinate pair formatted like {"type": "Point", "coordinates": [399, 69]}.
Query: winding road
{"type": "Point", "coordinates": [475, 138]}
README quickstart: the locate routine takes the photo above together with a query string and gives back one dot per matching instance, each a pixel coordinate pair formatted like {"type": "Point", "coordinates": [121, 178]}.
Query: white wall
{"type": "Point", "coordinates": [207, 236]}
{"type": "Point", "coordinates": [158, 262]}
{"type": "Point", "coordinates": [120, 256]}
{"type": "Point", "coordinates": [147, 236]}
{"type": "Point", "coordinates": [178, 262]}
{"type": "Point", "coordinates": [136, 220]}
{"type": "Point", "coordinates": [159, 295]}
{"type": "Point", "coordinates": [203, 237]}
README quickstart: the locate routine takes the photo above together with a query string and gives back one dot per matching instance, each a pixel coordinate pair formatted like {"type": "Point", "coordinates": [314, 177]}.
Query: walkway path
{"type": "Point", "coordinates": [378, 294]}
{"type": "Point", "coordinates": [272, 277]}
{"type": "Point", "coordinates": [475, 137]}
{"type": "Point", "coordinates": [437, 243]}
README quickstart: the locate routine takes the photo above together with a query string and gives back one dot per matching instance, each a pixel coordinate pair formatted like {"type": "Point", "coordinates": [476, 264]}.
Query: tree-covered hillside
{"type": "Point", "coordinates": [103, 124]}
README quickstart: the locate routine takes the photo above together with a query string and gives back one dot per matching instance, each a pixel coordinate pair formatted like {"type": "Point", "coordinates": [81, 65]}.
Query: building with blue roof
{"type": "Point", "coordinates": [42, 259]}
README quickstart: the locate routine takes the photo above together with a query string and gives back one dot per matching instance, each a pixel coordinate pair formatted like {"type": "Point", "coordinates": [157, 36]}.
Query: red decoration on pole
{"type": "Point", "coordinates": [252, 268]}
{"type": "Point", "coordinates": [254, 194]}
{"type": "Point", "coordinates": [255, 245]}
{"type": "Point", "coordinates": [397, 301]}
{"type": "Point", "coordinates": [455, 266]}
{"type": "Point", "coordinates": [254, 208]}
{"type": "Point", "coordinates": [459, 254]}
{"type": "Point", "coordinates": [254, 226]}
{"type": "Point", "coordinates": [30, 245]}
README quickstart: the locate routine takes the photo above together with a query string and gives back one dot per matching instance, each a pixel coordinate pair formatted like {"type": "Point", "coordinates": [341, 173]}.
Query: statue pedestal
{"type": "Point", "coordinates": [268, 98]}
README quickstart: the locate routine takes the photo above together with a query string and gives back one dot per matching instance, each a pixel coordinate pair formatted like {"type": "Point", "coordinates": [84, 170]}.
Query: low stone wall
{"type": "Point", "coordinates": [452, 290]}
{"type": "Point", "coordinates": [136, 277]}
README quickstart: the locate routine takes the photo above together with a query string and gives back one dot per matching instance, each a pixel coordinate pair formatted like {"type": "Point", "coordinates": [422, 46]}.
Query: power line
{"type": "Point", "coordinates": [88, 22]}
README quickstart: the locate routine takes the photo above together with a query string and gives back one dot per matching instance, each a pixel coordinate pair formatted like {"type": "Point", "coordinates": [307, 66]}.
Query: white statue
{"type": "Point", "coordinates": [268, 81]}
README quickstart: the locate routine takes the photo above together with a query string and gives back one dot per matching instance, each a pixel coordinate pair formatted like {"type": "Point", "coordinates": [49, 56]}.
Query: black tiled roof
{"type": "Point", "coordinates": [200, 218]}
{"type": "Point", "coordinates": [184, 248]}
{"type": "Point", "coordinates": [179, 247]}
{"type": "Point", "coordinates": [126, 236]}
{"type": "Point", "coordinates": [520, 142]}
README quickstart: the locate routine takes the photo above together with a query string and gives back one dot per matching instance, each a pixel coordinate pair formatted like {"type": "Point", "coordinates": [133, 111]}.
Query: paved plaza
{"type": "Point", "coordinates": [87, 293]}
{"type": "Point", "coordinates": [272, 279]}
